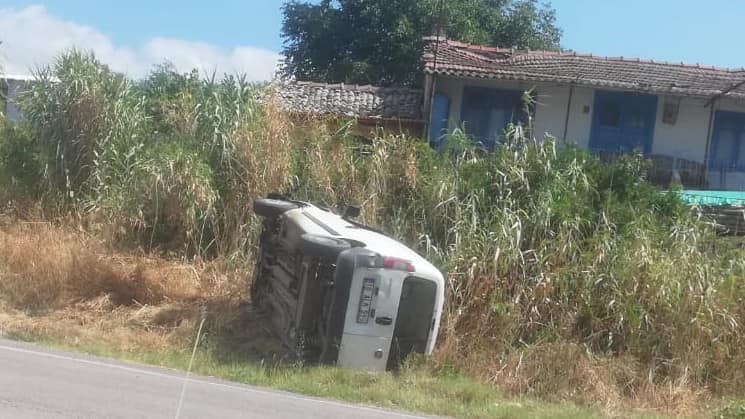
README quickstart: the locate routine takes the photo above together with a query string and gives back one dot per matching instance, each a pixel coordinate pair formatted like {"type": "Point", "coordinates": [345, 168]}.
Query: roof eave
{"type": "Point", "coordinates": [476, 74]}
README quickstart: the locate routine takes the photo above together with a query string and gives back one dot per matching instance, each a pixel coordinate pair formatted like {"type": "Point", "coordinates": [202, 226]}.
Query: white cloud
{"type": "Point", "coordinates": [32, 37]}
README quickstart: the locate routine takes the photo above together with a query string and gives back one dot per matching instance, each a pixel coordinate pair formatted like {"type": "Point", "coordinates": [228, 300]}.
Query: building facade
{"type": "Point", "coordinates": [687, 114]}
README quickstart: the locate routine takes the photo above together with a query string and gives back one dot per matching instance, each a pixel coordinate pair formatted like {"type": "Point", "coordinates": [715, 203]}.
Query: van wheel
{"type": "Point", "coordinates": [267, 207]}
{"type": "Point", "coordinates": [322, 247]}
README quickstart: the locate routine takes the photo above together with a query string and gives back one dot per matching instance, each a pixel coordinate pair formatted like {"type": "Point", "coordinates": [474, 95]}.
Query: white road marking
{"type": "Point", "coordinates": [191, 380]}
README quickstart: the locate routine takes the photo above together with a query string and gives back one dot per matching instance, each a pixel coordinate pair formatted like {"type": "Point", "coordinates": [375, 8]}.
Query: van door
{"type": "Point", "coordinates": [370, 318]}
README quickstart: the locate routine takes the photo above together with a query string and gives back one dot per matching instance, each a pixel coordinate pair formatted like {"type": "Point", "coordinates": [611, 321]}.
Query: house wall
{"type": "Point", "coordinates": [551, 106]}
{"type": "Point", "coordinates": [686, 138]}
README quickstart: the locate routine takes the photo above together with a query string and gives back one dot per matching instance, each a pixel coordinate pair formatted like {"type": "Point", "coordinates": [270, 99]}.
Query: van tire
{"type": "Point", "coordinates": [323, 247]}
{"type": "Point", "coordinates": [267, 207]}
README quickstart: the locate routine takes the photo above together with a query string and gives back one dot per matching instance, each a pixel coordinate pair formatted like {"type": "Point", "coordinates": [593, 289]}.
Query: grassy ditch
{"type": "Point", "coordinates": [64, 289]}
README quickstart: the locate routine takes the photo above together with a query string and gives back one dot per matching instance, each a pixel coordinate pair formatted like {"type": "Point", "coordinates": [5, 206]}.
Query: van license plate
{"type": "Point", "coordinates": [363, 313]}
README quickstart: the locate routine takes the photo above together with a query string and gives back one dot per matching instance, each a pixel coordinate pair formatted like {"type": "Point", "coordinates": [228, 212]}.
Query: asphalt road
{"type": "Point", "coordinates": [42, 383]}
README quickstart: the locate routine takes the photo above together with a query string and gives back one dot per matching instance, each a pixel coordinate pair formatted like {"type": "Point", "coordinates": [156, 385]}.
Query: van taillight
{"type": "Point", "coordinates": [398, 264]}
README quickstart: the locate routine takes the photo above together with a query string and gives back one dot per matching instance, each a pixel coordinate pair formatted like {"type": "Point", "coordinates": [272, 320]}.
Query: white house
{"type": "Point", "coordinates": [605, 104]}
{"type": "Point", "coordinates": [10, 87]}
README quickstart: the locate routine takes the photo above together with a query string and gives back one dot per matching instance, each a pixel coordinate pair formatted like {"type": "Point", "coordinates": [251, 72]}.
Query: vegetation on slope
{"type": "Point", "coordinates": [567, 277]}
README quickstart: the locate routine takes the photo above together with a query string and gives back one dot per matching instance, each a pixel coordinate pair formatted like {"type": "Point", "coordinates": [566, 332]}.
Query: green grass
{"type": "Point", "coordinates": [732, 410]}
{"type": "Point", "coordinates": [413, 390]}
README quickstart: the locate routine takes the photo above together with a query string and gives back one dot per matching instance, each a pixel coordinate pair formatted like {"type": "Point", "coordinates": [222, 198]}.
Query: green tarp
{"type": "Point", "coordinates": [712, 198]}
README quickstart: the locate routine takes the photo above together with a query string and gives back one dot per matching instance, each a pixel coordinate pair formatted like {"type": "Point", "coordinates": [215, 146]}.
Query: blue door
{"type": "Point", "coordinates": [623, 122]}
{"type": "Point", "coordinates": [728, 142]}
{"type": "Point", "coordinates": [486, 112]}
{"type": "Point", "coordinates": [438, 121]}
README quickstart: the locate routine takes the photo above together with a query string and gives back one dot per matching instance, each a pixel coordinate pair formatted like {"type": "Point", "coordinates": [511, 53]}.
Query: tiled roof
{"type": "Point", "coordinates": [350, 100]}
{"type": "Point", "coordinates": [459, 59]}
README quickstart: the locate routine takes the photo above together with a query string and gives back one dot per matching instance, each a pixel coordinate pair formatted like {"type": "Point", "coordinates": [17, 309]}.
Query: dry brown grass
{"type": "Point", "coordinates": [43, 267]}
{"type": "Point", "coordinates": [556, 369]}
{"type": "Point", "coordinates": [566, 371]}
{"type": "Point", "coordinates": [57, 283]}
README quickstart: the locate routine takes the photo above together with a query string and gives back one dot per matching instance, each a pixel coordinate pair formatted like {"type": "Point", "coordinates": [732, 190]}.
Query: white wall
{"type": "Point", "coordinates": [685, 139]}
{"type": "Point", "coordinates": [580, 116]}
{"type": "Point", "coordinates": [550, 110]}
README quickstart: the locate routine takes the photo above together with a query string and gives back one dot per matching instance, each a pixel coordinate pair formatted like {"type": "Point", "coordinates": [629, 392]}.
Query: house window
{"type": "Point", "coordinates": [728, 141]}
{"type": "Point", "coordinates": [487, 112]}
{"type": "Point", "coordinates": [622, 122]}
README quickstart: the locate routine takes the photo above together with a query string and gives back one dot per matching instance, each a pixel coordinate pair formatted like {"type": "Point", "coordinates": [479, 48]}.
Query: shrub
{"type": "Point", "coordinates": [173, 159]}
{"type": "Point", "coordinates": [545, 247]}
{"type": "Point", "coordinates": [19, 164]}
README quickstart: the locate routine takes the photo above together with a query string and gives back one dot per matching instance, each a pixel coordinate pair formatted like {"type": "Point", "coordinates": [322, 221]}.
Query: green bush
{"type": "Point", "coordinates": [168, 199]}
{"type": "Point", "coordinates": [172, 160]}
{"type": "Point", "coordinates": [547, 245]}
{"type": "Point", "coordinates": [19, 164]}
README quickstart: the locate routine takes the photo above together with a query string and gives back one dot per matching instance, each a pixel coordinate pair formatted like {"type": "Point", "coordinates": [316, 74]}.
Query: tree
{"type": "Point", "coordinates": [380, 41]}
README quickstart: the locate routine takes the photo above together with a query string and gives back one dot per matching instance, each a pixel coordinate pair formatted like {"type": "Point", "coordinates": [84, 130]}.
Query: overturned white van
{"type": "Point", "coordinates": [340, 292]}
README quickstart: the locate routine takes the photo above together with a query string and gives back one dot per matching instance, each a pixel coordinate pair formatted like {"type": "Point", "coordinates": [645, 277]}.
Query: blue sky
{"type": "Point", "coordinates": [225, 23]}
{"type": "Point", "coordinates": [693, 31]}
{"type": "Point", "coordinates": [244, 35]}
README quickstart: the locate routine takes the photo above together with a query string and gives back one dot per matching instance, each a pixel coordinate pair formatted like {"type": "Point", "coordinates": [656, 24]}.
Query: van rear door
{"type": "Point", "coordinates": [370, 318]}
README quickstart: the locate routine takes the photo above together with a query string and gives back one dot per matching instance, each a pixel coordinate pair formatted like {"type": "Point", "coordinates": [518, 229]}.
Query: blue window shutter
{"type": "Point", "coordinates": [623, 122]}
{"type": "Point", "coordinates": [728, 136]}
{"type": "Point", "coordinates": [438, 122]}
{"type": "Point", "coordinates": [486, 112]}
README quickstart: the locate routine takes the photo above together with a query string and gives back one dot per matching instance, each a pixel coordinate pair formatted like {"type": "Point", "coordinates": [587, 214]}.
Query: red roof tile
{"type": "Point", "coordinates": [458, 59]}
